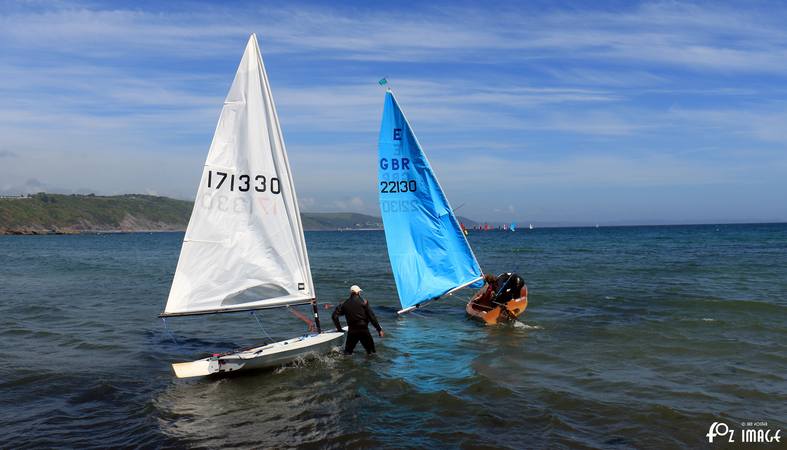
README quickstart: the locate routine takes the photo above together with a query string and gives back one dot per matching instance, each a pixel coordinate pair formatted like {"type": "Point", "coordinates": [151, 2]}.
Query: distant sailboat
{"type": "Point", "coordinates": [512, 227]}
{"type": "Point", "coordinates": [530, 226]}
{"type": "Point", "coordinates": [244, 247]}
{"type": "Point", "coordinates": [429, 254]}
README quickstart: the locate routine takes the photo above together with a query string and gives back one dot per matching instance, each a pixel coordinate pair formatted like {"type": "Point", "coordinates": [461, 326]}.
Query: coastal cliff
{"type": "Point", "coordinates": [67, 214]}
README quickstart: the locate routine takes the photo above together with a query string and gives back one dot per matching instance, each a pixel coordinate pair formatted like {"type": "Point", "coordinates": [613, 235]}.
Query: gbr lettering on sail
{"type": "Point", "coordinates": [395, 171]}
{"type": "Point", "coordinates": [395, 179]}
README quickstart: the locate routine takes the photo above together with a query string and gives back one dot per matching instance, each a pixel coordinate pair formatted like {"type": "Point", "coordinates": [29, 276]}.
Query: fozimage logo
{"type": "Point", "coordinates": [751, 432]}
{"type": "Point", "coordinates": [718, 429]}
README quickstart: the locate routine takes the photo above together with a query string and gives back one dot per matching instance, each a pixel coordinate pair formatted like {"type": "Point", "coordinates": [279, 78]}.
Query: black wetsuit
{"type": "Point", "coordinates": [510, 285]}
{"type": "Point", "coordinates": [358, 314]}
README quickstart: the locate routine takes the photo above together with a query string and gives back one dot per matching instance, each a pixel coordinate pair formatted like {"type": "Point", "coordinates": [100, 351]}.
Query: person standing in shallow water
{"type": "Point", "coordinates": [358, 314]}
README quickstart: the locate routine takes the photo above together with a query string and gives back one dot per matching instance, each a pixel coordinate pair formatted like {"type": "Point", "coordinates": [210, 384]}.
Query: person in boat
{"type": "Point", "coordinates": [499, 290]}
{"type": "Point", "coordinates": [358, 314]}
{"type": "Point", "coordinates": [483, 298]}
{"type": "Point", "coordinates": [509, 287]}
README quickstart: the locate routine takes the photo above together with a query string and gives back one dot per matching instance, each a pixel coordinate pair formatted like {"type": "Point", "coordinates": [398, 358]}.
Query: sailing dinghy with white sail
{"type": "Point", "coordinates": [429, 253]}
{"type": "Point", "coordinates": [244, 247]}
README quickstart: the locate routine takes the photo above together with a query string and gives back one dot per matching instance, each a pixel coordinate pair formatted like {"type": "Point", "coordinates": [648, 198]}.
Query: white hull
{"type": "Point", "coordinates": [266, 356]}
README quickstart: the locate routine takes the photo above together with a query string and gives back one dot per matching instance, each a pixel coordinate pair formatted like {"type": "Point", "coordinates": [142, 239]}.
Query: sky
{"type": "Point", "coordinates": [542, 112]}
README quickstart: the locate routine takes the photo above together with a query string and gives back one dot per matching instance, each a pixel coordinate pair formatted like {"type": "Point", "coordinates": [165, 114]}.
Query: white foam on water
{"type": "Point", "coordinates": [306, 360]}
{"type": "Point", "coordinates": [524, 326]}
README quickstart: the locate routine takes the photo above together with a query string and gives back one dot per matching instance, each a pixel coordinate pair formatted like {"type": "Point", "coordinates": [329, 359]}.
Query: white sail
{"type": "Point", "coordinates": [244, 246]}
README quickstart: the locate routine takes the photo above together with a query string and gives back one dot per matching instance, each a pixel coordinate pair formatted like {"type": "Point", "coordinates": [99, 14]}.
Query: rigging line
{"type": "Point", "coordinates": [447, 294]}
{"type": "Point", "coordinates": [253, 313]}
{"type": "Point", "coordinates": [484, 306]}
{"type": "Point", "coordinates": [170, 333]}
{"type": "Point", "coordinates": [309, 323]}
{"type": "Point", "coordinates": [426, 304]}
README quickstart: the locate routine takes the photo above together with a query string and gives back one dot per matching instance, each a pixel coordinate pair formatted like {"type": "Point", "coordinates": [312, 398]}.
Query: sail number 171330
{"type": "Point", "coordinates": [243, 183]}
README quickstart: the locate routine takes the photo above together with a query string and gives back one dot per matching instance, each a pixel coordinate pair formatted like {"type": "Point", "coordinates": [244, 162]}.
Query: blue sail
{"type": "Point", "coordinates": [428, 251]}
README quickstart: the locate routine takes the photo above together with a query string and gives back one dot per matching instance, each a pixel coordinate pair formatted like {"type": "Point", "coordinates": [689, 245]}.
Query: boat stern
{"type": "Point", "coordinates": [199, 368]}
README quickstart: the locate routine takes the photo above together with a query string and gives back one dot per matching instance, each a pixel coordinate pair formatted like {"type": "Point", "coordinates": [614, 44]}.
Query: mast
{"type": "Point", "coordinates": [316, 316]}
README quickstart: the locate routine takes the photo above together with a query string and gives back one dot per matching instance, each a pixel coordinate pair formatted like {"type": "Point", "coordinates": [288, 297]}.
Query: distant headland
{"type": "Point", "coordinates": [45, 213]}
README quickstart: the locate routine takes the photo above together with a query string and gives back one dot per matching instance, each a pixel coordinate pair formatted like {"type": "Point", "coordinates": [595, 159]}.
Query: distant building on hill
{"type": "Point", "coordinates": [14, 197]}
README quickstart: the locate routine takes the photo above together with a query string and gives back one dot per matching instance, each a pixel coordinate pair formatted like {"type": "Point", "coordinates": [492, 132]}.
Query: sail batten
{"type": "Point", "coordinates": [244, 246]}
{"type": "Point", "coordinates": [426, 246]}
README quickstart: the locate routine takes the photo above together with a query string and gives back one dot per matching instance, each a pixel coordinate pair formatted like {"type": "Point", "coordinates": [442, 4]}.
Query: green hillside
{"type": "Point", "coordinates": [56, 213]}
{"type": "Point", "coordinates": [73, 213]}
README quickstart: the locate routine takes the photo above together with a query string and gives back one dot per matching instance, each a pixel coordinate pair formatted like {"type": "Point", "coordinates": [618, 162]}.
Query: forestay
{"type": "Point", "coordinates": [244, 246]}
{"type": "Point", "coordinates": [427, 248]}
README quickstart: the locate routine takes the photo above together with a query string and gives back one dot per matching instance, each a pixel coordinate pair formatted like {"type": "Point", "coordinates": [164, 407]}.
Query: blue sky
{"type": "Point", "coordinates": [548, 112]}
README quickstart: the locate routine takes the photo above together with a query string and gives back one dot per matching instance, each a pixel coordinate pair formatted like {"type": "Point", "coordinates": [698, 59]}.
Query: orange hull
{"type": "Point", "coordinates": [496, 315]}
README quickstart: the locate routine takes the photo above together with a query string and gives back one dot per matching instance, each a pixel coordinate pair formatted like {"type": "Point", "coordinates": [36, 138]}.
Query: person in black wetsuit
{"type": "Point", "coordinates": [509, 287]}
{"type": "Point", "coordinates": [358, 314]}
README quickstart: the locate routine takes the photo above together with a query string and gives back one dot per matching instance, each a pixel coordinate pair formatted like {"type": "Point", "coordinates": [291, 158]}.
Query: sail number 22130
{"type": "Point", "coordinates": [243, 183]}
{"type": "Point", "coordinates": [394, 187]}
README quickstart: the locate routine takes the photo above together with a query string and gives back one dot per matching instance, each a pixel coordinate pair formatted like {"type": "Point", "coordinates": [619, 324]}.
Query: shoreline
{"type": "Point", "coordinates": [60, 232]}
{"type": "Point", "coordinates": [65, 232]}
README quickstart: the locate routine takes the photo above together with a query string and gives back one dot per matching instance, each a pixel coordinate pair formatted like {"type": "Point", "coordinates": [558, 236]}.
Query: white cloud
{"type": "Point", "coordinates": [352, 204]}
{"type": "Point", "coordinates": [683, 34]}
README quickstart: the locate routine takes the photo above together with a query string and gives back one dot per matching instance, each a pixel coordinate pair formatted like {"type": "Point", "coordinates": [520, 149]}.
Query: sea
{"type": "Point", "coordinates": [635, 337]}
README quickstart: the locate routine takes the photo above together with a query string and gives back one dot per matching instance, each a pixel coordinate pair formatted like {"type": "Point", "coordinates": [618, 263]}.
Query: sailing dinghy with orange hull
{"type": "Point", "coordinates": [429, 254]}
{"type": "Point", "coordinates": [493, 313]}
{"type": "Point", "coordinates": [427, 246]}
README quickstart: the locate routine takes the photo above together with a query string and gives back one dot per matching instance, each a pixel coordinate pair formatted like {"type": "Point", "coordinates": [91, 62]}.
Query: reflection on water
{"type": "Point", "coordinates": [426, 354]}
{"type": "Point", "coordinates": [416, 388]}
{"type": "Point", "coordinates": [293, 406]}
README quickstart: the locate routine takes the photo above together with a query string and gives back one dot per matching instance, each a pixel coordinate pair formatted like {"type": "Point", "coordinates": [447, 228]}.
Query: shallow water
{"type": "Point", "coordinates": [634, 337]}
